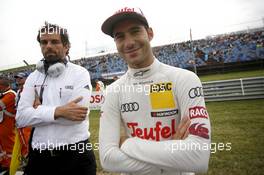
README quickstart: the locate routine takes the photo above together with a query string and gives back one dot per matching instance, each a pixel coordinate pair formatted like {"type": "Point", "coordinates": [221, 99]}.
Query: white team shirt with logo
{"type": "Point", "coordinates": [49, 133]}
{"type": "Point", "coordinates": [150, 103]}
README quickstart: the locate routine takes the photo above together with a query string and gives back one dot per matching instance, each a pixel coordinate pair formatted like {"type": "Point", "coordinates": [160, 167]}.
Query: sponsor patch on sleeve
{"type": "Point", "coordinates": [196, 92]}
{"type": "Point", "coordinates": [200, 130]}
{"type": "Point", "coordinates": [198, 112]}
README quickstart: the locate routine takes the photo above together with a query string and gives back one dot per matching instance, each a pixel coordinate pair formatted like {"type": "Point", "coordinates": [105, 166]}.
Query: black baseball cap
{"type": "Point", "coordinates": [121, 14]}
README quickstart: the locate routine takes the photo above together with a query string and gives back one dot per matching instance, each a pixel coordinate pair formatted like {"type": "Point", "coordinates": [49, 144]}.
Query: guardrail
{"type": "Point", "coordinates": [235, 89]}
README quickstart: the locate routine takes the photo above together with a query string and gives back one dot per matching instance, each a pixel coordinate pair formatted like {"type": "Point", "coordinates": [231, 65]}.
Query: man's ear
{"type": "Point", "coordinates": [150, 33]}
{"type": "Point", "coordinates": [67, 46]}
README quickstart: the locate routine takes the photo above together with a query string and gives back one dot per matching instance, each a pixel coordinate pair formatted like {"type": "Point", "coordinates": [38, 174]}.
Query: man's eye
{"type": "Point", "coordinates": [135, 31]}
{"type": "Point", "coordinates": [55, 42]}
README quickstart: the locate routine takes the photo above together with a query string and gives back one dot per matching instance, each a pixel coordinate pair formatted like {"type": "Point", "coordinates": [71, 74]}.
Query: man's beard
{"type": "Point", "coordinates": [52, 59]}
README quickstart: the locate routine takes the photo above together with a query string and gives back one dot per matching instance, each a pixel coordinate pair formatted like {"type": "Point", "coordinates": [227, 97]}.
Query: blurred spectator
{"type": "Point", "coordinates": [115, 78]}
{"type": "Point", "coordinates": [21, 147]}
{"type": "Point", "coordinates": [99, 85]}
{"type": "Point", "coordinates": [20, 79]}
{"type": "Point", "coordinates": [7, 123]}
{"type": "Point", "coordinates": [225, 48]}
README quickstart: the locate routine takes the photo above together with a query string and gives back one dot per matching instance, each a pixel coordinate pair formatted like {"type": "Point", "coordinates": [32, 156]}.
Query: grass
{"type": "Point", "coordinates": [240, 123]}
{"type": "Point", "coordinates": [232, 75]}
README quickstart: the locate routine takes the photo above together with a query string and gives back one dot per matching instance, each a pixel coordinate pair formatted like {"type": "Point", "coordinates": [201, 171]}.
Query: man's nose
{"type": "Point", "coordinates": [129, 41]}
{"type": "Point", "coordinates": [49, 44]}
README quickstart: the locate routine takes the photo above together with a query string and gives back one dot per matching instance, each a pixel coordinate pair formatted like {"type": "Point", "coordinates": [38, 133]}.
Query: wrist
{"type": "Point", "coordinates": [58, 113]}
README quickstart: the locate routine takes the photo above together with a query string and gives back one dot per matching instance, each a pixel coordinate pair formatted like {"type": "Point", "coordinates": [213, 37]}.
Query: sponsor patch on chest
{"type": "Point", "coordinates": [161, 96]}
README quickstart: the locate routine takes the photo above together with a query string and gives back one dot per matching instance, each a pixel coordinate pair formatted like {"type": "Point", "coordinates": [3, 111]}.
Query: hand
{"type": "Point", "coordinates": [37, 99]}
{"type": "Point", "coordinates": [182, 131]}
{"type": "Point", "coordinates": [71, 111]}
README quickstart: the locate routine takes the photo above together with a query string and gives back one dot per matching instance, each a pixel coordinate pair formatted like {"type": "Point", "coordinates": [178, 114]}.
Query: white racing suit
{"type": "Point", "coordinates": [150, 103]}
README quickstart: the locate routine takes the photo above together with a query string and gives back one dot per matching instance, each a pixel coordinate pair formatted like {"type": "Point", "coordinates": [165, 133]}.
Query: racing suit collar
{"type": "Point", "coordinates": [144, 72]}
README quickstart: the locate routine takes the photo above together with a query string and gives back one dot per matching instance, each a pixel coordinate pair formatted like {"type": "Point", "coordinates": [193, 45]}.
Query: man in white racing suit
{"type": "Point", "coordinates": [161, 107]}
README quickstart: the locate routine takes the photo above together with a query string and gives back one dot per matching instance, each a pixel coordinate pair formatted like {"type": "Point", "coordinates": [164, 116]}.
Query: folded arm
{"type": "Point", "coordinates": [111, 156]}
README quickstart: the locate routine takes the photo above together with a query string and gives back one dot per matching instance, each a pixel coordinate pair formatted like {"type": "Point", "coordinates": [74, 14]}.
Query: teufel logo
{"type": "Point", "coordinates": [196, 92]}
{"type": "Point", "coordinates": [129, 107]}
{"type": "Point", "coordinates": [156, 133]}
{"type": "Point", "coordinates": [199, 130]}
{"type": "Point", "coordinates": [126, 9]}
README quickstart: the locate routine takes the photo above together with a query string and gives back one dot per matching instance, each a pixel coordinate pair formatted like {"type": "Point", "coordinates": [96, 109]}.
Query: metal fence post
{"type": "Point", "coordinates": [242, 87]}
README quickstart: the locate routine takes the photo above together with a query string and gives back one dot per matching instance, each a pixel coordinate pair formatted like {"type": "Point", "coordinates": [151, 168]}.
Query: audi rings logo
{"type": "Point", "coordinates": [196, 92]}
{"type": "Point", "coordinates": [129, 107]}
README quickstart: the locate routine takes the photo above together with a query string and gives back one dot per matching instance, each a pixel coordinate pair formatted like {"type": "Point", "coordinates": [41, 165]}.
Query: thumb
{"type": "Point", "coordinates": [77, 100]}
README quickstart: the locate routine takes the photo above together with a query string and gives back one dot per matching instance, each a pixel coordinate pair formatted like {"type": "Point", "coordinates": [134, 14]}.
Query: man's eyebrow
{"type": "Point", "coordinates": [134, 27]}
{"type": "Point", "coordinates": [43, 40]}
{"type": "Point", "coordinates": [130, 29]}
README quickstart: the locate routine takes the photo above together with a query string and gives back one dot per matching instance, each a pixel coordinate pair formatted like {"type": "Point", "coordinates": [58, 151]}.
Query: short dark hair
{"type": "Point", "coordinates": [5, 81]}
{"type": "Point", "coordinates": [54, 28]}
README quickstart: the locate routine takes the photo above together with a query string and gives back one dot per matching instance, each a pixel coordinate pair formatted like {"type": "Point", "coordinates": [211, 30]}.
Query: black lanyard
{"type": "Point", "coordinates": [42, 90]}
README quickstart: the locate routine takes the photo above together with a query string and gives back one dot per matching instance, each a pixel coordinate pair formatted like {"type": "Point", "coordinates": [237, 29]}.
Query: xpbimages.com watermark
{"type": "Point", "coordinates": [140, 88]}
{"type": "Point", "coordinates": [51, 29]}
{"type": "Point", "coordinates": [80, 147]}
{"type": "Point", "coordinates": [171, 147]}
{"type": "Point", "coordinates": [183, 146]}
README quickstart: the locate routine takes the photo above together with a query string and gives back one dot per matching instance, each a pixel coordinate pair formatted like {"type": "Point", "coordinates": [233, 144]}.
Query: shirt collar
{"type": "Point", "coordinates": [144, 72]}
